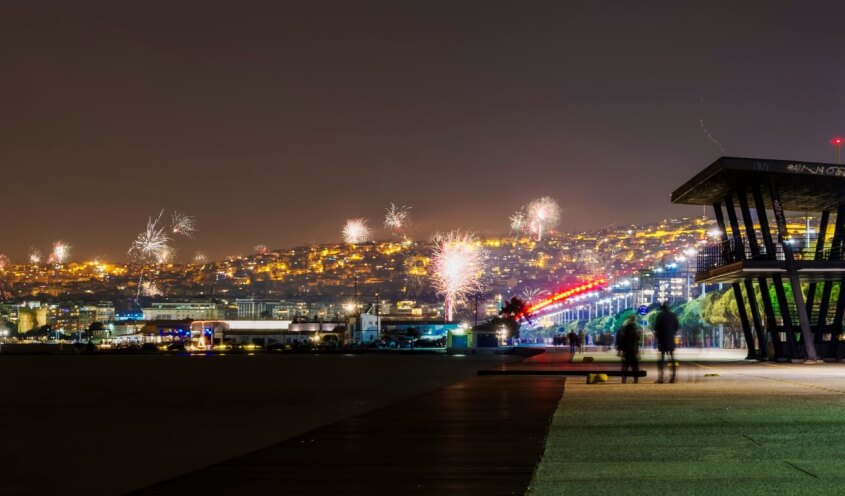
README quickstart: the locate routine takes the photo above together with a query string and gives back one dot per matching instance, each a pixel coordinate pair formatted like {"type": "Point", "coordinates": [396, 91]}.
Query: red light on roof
{"type": "Point", "coordinates": [836, 141]}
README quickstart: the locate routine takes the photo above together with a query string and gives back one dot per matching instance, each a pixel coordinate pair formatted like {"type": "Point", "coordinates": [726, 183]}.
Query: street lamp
{"type": "Point", "coordinates": [837, 143]}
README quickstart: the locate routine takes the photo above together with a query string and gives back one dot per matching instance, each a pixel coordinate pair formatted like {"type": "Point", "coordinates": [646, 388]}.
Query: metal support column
{"type": "Point", "coordinates": [811, 290]}
{"type": "Point", "coordinates": [737, 253]}
{"type": "Point", "coordinates": [754, 247]}
{"type": "Point", "coordinates": [765, 294]}
{"type": "Point", "coordinates": [792, 273]}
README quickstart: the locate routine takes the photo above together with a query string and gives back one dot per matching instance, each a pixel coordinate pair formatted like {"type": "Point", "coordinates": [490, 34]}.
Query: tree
{"type": "Point", "coordinates": [95, 327]}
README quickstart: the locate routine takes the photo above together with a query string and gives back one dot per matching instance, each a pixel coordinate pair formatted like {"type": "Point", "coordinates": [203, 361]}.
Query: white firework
{"type": "Point", "coordinates": [543, 214]}
{"type": "Point", "coordinates": [149, 288]}
{"type": "Point", "coordinates": [183, 224]}
{"type": "Point", "coordinates": [261, 249]}
{"type": "Point", "coordinates": [356, 231]}
{"type": "Point", "coordinates": [518, 221]}
{"type": "Point", "coordinates": [532, 293]}
{"type": "Point", "coordinates": [60, 253]}
{"type": "Point", "coordinates": [165, 255]}
{"type": "Point", "coordinates": [457, 265]}
{"type": "Point", "coordinates": [34, 256]}
{"type": "Point", "coordinates": [151, 245]}
{"type": "Point", "coordinates": [200, 258]}
{"type": "Point", "coordinates": [398, 220]}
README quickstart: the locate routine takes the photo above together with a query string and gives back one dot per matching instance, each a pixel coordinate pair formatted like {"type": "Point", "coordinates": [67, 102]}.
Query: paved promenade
{"type": "Point", "coordinates": [483, 436]}
{"type": "Point", "coordinates": [729, 428]}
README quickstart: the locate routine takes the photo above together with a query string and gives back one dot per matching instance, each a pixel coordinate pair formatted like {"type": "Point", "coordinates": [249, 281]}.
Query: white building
{"type": "Point", "coordinates": [184, 311]}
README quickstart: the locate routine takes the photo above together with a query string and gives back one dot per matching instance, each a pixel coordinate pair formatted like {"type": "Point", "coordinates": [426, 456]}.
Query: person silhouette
{"type": "Point", "coordinates": [628, 345]}
{"type": "Point", "coordinates": [666, 326]}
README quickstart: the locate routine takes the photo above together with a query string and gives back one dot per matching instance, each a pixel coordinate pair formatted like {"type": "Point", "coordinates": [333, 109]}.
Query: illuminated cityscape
{"type": "Point", "coordinates": [422, 248]}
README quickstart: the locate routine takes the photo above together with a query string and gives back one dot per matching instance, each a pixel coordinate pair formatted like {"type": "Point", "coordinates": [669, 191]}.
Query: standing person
{"type": "Point", "coordinates": [628, 344]}
{"type": "Point", "coordinates": [666, 326]}
{"type": "Point", "coordinates": [581, 340]}
{"type": "Point", "coordinates": [573, 342]}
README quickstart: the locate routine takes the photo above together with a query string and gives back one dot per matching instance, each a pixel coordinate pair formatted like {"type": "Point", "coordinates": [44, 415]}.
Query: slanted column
{"type": "Point", "coordinates": [769, 245]}
{"type": "Point", "coordinates": [737, 253]}
{"type": "Point", "coordinates": [817, 255]}
{"type": "Point", "coordinates": [792, 273]}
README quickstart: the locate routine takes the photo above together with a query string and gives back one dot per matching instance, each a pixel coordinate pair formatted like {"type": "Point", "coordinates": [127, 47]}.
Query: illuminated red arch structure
{"type": "Point", "coordinates": [562, 296]}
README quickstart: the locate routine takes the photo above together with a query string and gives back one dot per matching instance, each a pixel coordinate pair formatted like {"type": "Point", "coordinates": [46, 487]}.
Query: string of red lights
{"type": "Point", "coordinates": [563, 295]}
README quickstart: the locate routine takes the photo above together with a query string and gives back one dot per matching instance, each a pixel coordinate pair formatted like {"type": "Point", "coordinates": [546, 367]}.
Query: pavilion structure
{"type": "Point", "coordinates": [786, 284]}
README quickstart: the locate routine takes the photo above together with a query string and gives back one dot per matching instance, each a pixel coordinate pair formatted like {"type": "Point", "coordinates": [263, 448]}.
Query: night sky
{"type": "Point", "coordinates": [273, 122]}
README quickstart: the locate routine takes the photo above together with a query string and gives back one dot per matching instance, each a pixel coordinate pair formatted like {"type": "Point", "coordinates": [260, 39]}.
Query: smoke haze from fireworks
{"type": "Point", "coordinates": [183, 224]}
{"type": "Point", "coordinates": [458, 262]}
{"type": "Point", "coordinates": [356, 231]}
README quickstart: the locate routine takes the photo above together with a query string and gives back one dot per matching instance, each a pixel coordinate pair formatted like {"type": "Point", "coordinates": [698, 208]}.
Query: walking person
{"type": "Point", "coordinates": [628, 345]}
{"type": "Point", "coordinates": [666, 326]}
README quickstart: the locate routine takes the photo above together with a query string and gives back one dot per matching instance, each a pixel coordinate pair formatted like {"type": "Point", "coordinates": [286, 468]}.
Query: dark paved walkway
{"type": "Point", "coordinates": [481, 436]}
{"type": "Point", "coordinates": [556, 361]}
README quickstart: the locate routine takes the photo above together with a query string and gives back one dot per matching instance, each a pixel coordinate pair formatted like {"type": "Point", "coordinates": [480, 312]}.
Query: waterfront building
{"type": "Point", "coordinates": [184, 310]}
{"type": "Point", "coordinates": [756, 255]}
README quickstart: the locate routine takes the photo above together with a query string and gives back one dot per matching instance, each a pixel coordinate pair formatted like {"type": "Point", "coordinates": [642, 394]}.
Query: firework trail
{"type": "Point", "coordinates": [543, 214]}
{"type": "Point", "coordinates": [60, 254]}
{"type": "Point", "coordinates": [5, 262]}
{"type": "Point", "coordinates": [34, 256]}
{"type": "Point", "coordinates": [356, 231]}
{"type": "Point", "coordinates": [183, 224]}
{"type": "Point", "coordinates": [261, 249]}
{"type": "Point", "coordinates": [710, 137]}
{"type": "Point", "coordinates": [200, 258]}
{"type": "Point", "coordinates": [398, 220]}
{"type": "Point", "coordinates": [457, 262]}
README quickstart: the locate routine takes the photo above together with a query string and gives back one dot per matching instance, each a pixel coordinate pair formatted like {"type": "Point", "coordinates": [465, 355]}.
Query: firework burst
{"type": "Point", "coordinates": [457, 264]}
{"type": "Point", "coordinates": [149, 288]}
{"type": "Point", "coordinates": [5, 262]}
{"type": "Point", "coordinates": [530, 294]}
{"type": "Point", "coordinates": [60, 254]}
{"type": "Point", "coordinates": [34, 256]}
{"type": "Point", "coordinates": [165, 255]}
{"type": "Point", "coordinates": [356, 231]}
{"type": "Point", "coordinates": [183, 224]}
{"type": "Point", "coordinates": [398, 220]}
{"type": "Point", "coordinates": [518, 221]}
{"type": "Point", "coordinates": [151, 245]}
{"type": "Point", "coordinates": [200, 258]}
{"type": "Point", "coordinates": [261, 249]}
{"type": "Point", "coordinates": [543, 214]}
